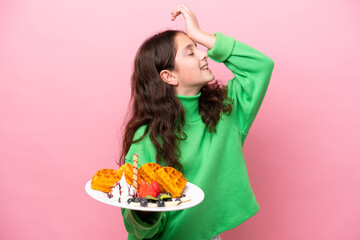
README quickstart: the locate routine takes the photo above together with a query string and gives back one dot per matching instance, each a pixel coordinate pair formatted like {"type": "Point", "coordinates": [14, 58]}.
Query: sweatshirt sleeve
{"type": "Point", "coordinates": [252, 71]}
{"type": "Point", "coordinates": [143, 229]}
{"type": "Point", "coordinates": [155, 222]}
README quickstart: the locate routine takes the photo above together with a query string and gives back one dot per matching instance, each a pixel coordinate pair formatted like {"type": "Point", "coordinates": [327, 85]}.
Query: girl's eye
{"type": "Point", "coordinates": [191, 53]}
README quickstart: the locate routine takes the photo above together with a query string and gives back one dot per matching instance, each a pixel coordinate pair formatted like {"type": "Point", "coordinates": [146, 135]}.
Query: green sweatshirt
{"type": "Point", "coordinates": [212, 161]}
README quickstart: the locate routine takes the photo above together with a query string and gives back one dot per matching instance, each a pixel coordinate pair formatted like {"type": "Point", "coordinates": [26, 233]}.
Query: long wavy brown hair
{"type": "Point", "coordinates": [154, 103]}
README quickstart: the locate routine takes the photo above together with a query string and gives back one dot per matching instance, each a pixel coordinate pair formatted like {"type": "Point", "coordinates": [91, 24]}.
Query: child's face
{"type": "Point", "coordinates": [191, 66]}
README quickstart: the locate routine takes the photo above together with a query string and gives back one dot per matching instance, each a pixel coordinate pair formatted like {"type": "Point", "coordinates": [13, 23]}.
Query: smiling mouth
{"type": "Point", "coordinates": [205, 67]}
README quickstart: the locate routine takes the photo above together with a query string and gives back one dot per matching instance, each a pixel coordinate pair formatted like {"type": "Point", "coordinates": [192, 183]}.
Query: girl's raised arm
{"type": "Point", "coordinates": [192, 27]}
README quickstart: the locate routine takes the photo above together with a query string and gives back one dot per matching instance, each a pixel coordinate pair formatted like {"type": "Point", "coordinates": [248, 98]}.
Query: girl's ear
{"type": "Point", "coordinates": [169, 77]}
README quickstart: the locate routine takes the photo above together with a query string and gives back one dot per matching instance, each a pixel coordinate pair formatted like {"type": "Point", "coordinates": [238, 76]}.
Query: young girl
{"type": "Point", "coordinates": [181, 120]}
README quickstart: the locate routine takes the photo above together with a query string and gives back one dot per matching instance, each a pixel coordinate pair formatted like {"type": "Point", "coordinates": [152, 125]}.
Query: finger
{"type": "Point", "coordinates": [178, 7]}
{"type": "Point", "coordinates": [188, 11]}
{"type": "Point", "coordinates": [182, 11]}
{"type": "Point", "coordinates": [174, 15]}
{"type": "Point", "coordinates": [187, 8]}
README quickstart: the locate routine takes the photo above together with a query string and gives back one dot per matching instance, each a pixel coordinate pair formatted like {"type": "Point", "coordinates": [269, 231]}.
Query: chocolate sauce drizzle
{"type": "Point", "coordinates": [110, 195]}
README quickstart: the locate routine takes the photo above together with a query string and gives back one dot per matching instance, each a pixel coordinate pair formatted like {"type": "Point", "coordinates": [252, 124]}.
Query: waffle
{"type": "Point", "coordinates": [104, 179]}
{"type": "Point", "coordinates": [128, 169]}
{"type": "Point", "coordinates": [148, 172]}
{"type": "Point", "coordinates": [172, 180]}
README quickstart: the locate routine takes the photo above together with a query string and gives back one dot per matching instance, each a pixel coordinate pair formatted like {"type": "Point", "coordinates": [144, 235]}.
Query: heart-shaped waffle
{"type": "Point", "coordinates": [127, 168]}
{"type": "Point", "coordinates": [171, 180]}
{"type": "Point", "coordinates": [104, 179]}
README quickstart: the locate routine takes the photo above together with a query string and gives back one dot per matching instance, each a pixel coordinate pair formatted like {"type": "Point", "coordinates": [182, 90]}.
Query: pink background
{"type": "Point", "coordinates": [64, 91]}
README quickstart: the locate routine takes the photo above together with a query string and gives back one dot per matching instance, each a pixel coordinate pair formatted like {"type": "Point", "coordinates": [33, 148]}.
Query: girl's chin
{"type": "Point", "coordinates": [208, 74]}
{"type": "Point", "coordinates": [212, 77]}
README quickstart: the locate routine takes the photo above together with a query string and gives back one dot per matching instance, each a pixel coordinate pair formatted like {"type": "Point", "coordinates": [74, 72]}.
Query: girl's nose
{"type": "Point", "coordinates": [203, 55]}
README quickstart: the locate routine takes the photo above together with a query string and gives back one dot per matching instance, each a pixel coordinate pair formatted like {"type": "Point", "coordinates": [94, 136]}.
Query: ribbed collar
{"type": "Point", "coordinates": [191, 106]}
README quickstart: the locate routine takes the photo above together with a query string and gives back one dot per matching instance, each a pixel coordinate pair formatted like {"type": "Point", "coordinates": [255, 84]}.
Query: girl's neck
{"type": "Point", "coordinates": [188, 91]}
{"type": "Point", "coordinates": [191, 106]}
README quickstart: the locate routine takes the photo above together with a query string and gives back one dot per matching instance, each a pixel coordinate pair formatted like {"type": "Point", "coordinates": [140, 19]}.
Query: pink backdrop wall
{"type": "Point", "coordinates": [64, 91]}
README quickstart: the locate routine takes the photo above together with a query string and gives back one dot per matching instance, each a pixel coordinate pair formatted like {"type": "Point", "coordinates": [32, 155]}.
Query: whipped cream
{"type": "Point", "coordinates": [114, 195]}
{"type": "Point", "coordinates": [126, 190]}
{"type": "Point", "coordinates": [122, 191]}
